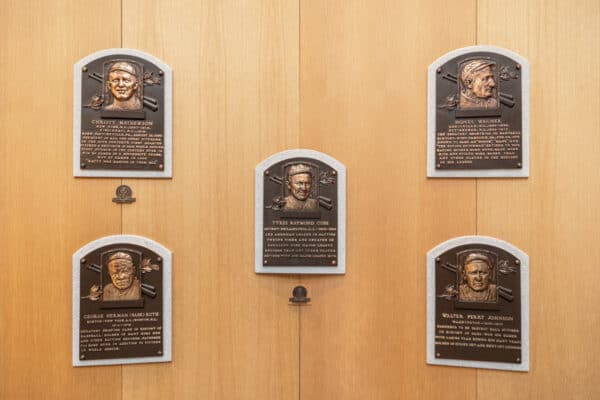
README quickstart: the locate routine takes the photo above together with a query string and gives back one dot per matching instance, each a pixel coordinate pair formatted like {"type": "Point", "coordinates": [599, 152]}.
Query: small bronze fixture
{"type": "Point", "coordinates": [123, 193]}
{"type": "Point", "coordinates": [299, 295]}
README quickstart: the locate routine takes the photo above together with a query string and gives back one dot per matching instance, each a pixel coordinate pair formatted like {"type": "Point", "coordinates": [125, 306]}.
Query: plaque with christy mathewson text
{"type": "Point", "coordinates": [478, 304]}
{"type": "Point", "coordinates": [122, 115]}
{"type": "Point", "coordinates": [478, 114]}
{"type": "Point", "coordinates": [300, 217]}
{"type": "Point", "coordinates": [121, 302]}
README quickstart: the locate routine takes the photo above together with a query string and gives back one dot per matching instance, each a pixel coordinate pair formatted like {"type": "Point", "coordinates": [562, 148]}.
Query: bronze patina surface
{"type": "Point", "coordinates": [300, 214]}
{"type": "Point", "coordinates": [478, 122]}
{"type": "Point", "coordinates": [121, 313]}
{"type": "Point", "coordinates": [123, 195]}
{"type": "Point", "coordinates": [122, 115]}
{"type": "Point", "coordinates": [478, 304]}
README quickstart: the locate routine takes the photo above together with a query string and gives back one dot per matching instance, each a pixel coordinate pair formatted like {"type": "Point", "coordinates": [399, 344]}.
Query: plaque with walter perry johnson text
{"type": "Point", "coordinates": [478, 304]}
{"type": "Point", "coordinates": [300, 214]}
{"type": "Point", "coordinates": [122, 115]}
{"type": "Point", "coordinates": [478, 114]}
{"type": "Point", "coordinates": [121, 302]}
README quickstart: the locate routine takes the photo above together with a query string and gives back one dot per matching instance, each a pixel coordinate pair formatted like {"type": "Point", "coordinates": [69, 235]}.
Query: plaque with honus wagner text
{"type": "Point", "coordinates": [478, 114]}
{"type": "Point", "coordinates": [300, 223]}
{"type": "Point", "coordinates": [122, 115]}
{"type": "Point", "coordinates": [121, 302]}
{"type": "Point", "coordinates": [478, 304]}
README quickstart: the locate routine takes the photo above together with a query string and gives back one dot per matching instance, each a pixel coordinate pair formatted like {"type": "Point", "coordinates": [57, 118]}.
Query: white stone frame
{"type": "Point", "coordinates": [167, 172]}
{"type": "Point", "coordinates": [431, 299]}
{"type": "Point", "coordinates": [431, 113]}
{"type": "Point", "coordinates": [166, 306]}
{"type": "Point", "coordinates": [259, 213]}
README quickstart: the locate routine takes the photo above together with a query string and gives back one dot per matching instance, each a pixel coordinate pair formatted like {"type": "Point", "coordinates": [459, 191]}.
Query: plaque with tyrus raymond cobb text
{"type": "Point", "coordinates": [478, 114]}
{"type": "Point", "coordinates": [122, 115]}
{"type": "Point", "coordinates": [300, 216]}
{"type": "Point", "coordinates": [121, 302]}
{"type": "Point", "coordinates": [478, 304]}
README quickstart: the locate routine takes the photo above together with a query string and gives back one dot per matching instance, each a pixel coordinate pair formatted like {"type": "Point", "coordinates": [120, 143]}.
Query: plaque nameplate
{"type": "Point", "coordinates": [300, 217]}
{"type": "Point", "coordinates": [478, 114]}
{"type": "Point", "coordinates": [478, 304]}
{"type": "Point", "coordinates": [121, 302]}
{"type": "Point", "coordinates": [122, 115]}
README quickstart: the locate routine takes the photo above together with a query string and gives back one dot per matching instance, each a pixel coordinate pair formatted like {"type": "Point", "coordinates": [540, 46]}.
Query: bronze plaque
{"type": "Point", "coordinates": [301, 214]}
{"type": "Point", "coordinates": [479, 285]}
{"type": "Point", "coordinates": [479, 117]}
{"type": "Point", "coordinates": [123, 115]}
{"type": "Point", "coordinates": [123, 302]}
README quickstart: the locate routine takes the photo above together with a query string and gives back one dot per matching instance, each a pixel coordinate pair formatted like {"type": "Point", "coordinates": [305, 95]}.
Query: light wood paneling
{"type": "Point", "coordinates": [363, 101]}
{"type": "Point", "coordinates": [45, 213]}
{"type": "Point", "coordinates": [553, 214]}
{"type": "Point", "coordinates": [235, 68]}
{"type": "Point", "coordinates": [252, 78]}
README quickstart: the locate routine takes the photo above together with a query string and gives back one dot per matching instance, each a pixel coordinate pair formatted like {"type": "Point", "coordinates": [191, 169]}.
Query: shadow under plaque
{"type": "Point", "coordinates": [478, 114]}
{"type": "Point", "coordinates": [121, 302]}
{"type": "Point", "coordinates": [300, 216]}
{"type": "Point", "coordinates": [122, 115]}
{"type": "Point", "coordinates": [478, 304]}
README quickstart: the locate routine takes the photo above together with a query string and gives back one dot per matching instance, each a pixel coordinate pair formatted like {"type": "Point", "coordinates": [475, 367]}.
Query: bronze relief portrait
{"type": "Point", "coordinates": [477, 84]}
{"type": "Point", "coordinates": [123, 85]}
{"type": "Point", "coordinates": [299, 186]}
{"type": "Point", "coordinates": [124, 284]}
{"type": "Point", "coordinates": [476, 277]}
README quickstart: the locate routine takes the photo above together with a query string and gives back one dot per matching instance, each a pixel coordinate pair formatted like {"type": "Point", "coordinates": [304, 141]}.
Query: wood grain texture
{"type": "Point", "coordinates": [45, 212]}
{"type": "Point", "coordinates": [252, 78]}
{"type": "Point", "coordinates": [552, 215]}
{"type": "Point", "coordinates": [363, 101]}
{"type": "Point", "coordinates": [235, 68]}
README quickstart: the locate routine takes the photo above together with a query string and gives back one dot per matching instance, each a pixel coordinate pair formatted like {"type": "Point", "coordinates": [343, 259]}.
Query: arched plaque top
{"type": "Point", "coordinates": [481, 48]}
{"type": "Point", "coordinates": [478, 304]}
{"type": "Point", "coordinates": [478, 114]}
{"type": "Point", "coordinates": [122, 115]}
{"type": "Point", "coordinates": [300, 192]}
{"type": "Point", "coordinates": [487, 240]}
{"type": "Point", "coordinates": [115, 239]}
{"type": "Point", "coordinates": [121, 51]}
{"type": "Point", "coordinates": [121, 302]}
{"type": "Point", "coordinates": [299, 153]}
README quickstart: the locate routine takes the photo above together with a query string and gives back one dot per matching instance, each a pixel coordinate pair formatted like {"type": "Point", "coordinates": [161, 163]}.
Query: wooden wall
{"type": "Point", "coordinates": [252, 78]}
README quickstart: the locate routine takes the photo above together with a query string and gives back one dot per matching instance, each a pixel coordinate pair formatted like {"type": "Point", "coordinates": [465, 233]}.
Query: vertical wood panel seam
{"type": "Point", "coordinates": [299, 277]}
{"type": "Point", "coordinates": [121, 180]}
{"type": "Point", "coordinates": [299, 352]}
{"type": "Point", "coordinates": [121, 23]}
{"type": "Point", "coordinates": [299, 69]}
{"type": "Point", "coordinates": [476, 179]}
{"type": "Point", "coordinates": [477, 183]}
{"type": "Point", "coordinates": [121, 219]}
